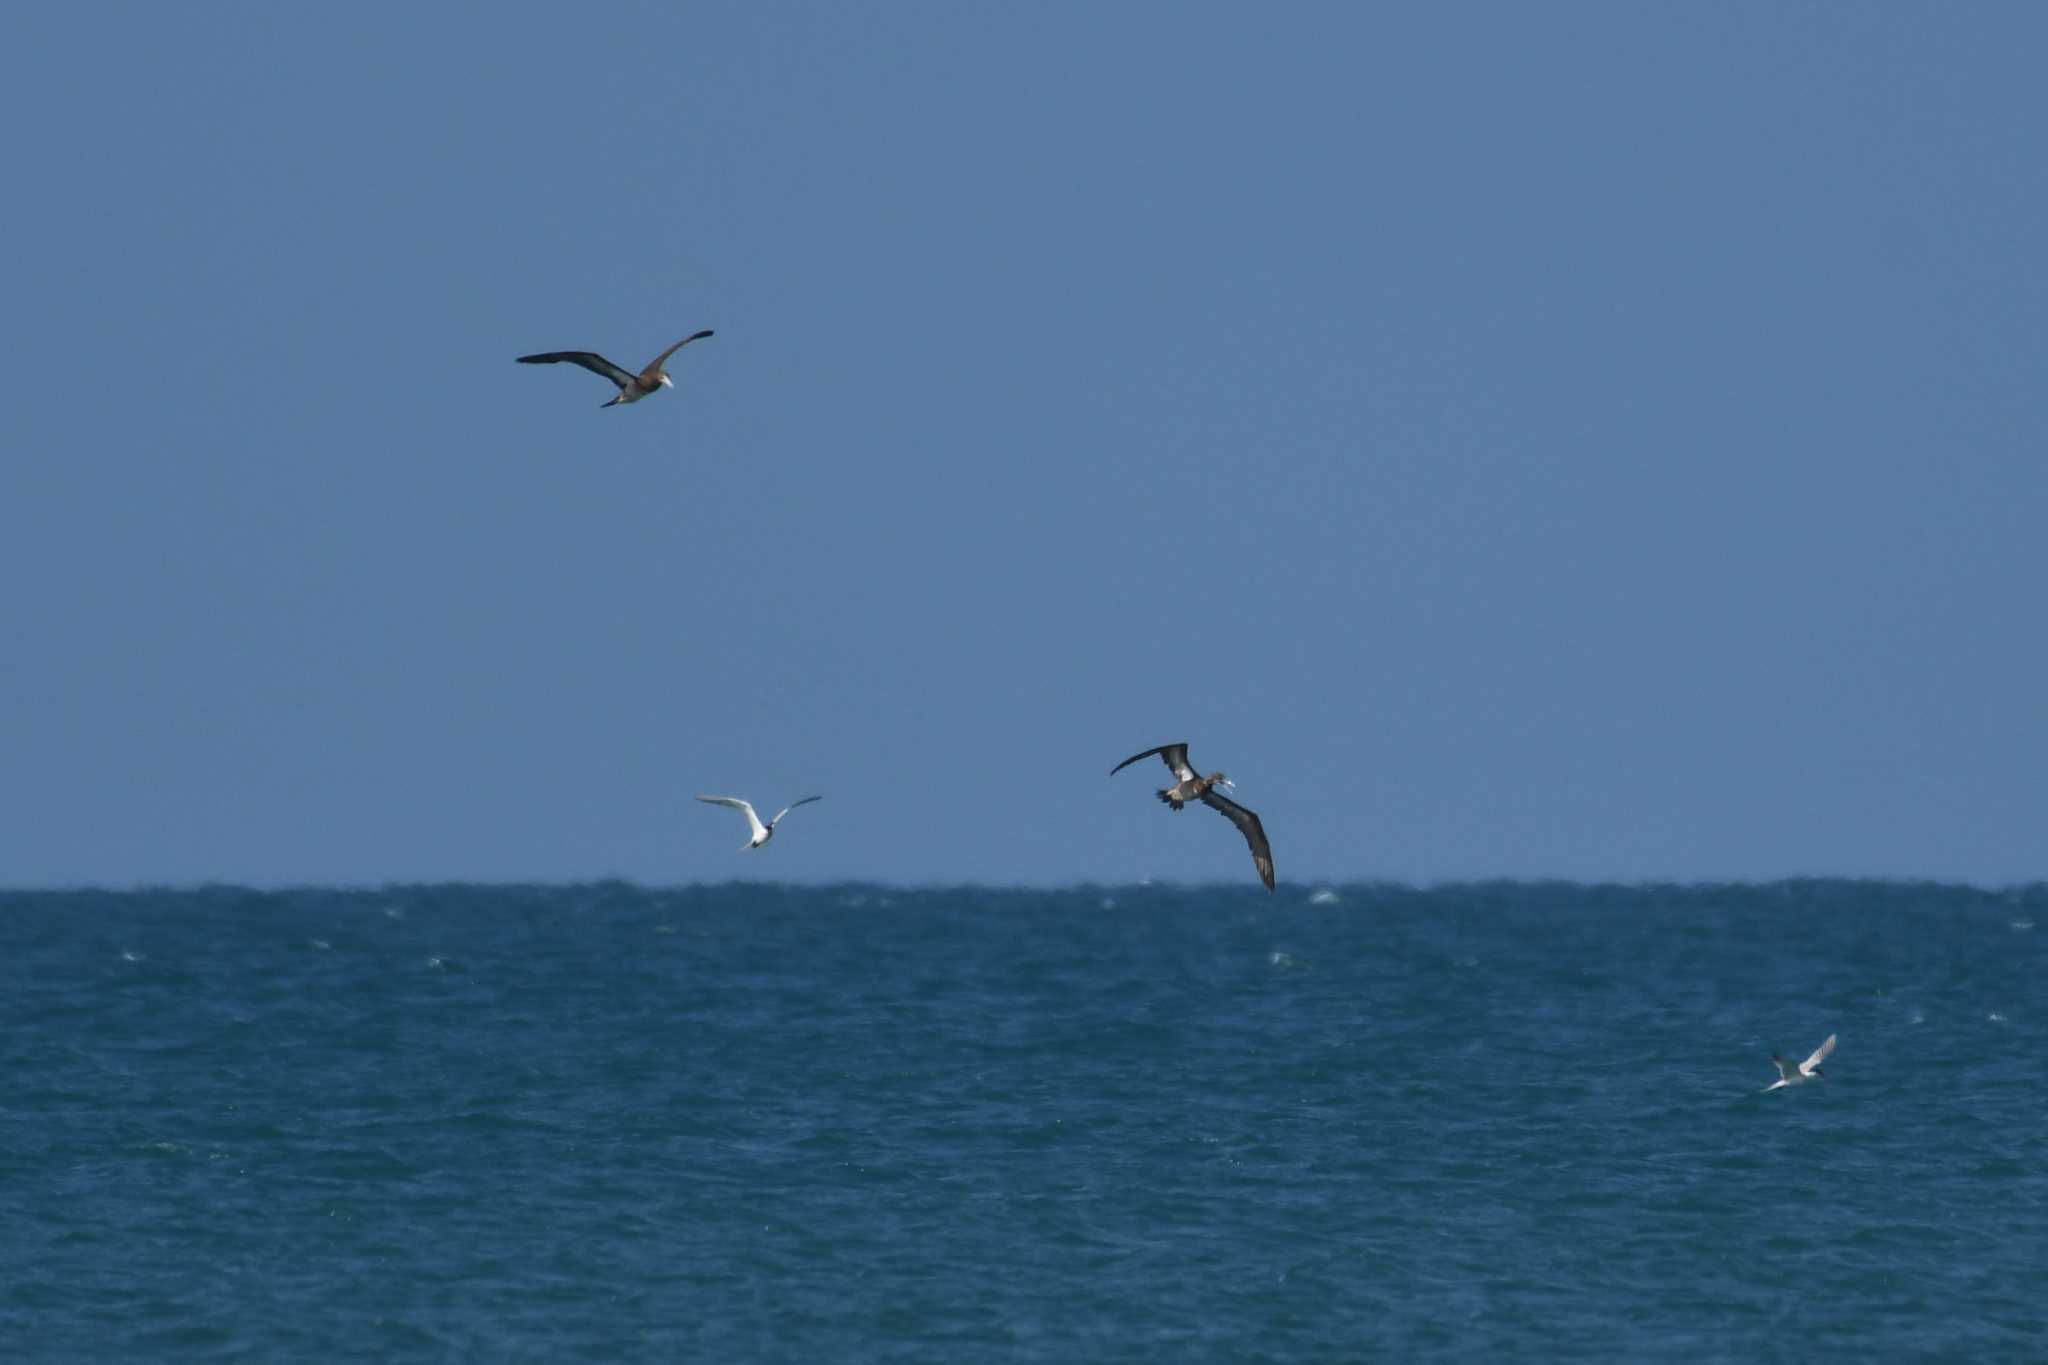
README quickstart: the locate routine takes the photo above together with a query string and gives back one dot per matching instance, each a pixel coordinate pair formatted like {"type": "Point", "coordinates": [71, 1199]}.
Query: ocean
{"type": "Point", "coordinates": [754, 1122]}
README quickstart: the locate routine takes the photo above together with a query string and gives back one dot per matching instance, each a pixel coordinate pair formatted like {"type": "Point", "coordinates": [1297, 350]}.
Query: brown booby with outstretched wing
{"type": "Point", "coordinates": [1192, 786]}
{"type": "Point", "coordinates": [632, 387]}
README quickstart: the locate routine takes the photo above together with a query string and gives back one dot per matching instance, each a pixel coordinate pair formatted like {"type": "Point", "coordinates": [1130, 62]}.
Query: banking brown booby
{"type": "Point", "coordinates": [632, 387]}
{"type": "Point", "coordinates": [1192, 786]}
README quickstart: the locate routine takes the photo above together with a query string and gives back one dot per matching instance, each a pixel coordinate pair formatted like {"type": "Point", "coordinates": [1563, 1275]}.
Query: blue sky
{"type": "Point", "coordinates": [1586, 440]}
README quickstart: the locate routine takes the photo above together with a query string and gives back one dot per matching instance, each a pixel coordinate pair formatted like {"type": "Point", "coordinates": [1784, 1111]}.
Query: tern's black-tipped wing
{"type": "Point", "coordinates": [1175, 756]}
{"type": "Point", "coordinates": [1820, 1054]}
{"type": "Point", "coordinates": [1248, 825]}
{"type": "Point", "coordinates": [792, 806]}
{"type": "Point", "coordinates": [589, 360]}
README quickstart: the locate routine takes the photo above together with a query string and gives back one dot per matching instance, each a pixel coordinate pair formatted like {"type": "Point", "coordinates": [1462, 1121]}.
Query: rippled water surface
{"type": "Point", "coordinates": [857, 1123]}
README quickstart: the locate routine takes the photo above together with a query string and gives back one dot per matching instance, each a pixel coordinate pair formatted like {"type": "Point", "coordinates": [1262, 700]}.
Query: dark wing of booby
{"type": "Point", "coordinates": [652, 374]}
{"type": "Point", "coordinates": [1175, 756]}
{"type": "Point", "coordinates": [589, 360]}
{"type": "Point", "coordinates": [1248, 825]}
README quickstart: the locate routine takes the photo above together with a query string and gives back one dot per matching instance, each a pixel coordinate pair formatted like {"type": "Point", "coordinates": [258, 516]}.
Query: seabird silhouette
{"type": "Point", "coordinates": [761, 833]}
{"type": "Point", "coordinates": [1789, 1074]}
{"type": "Point", "coordinates": [1192, 786]}
{"type": "Point", "coordinates": [632, 387]}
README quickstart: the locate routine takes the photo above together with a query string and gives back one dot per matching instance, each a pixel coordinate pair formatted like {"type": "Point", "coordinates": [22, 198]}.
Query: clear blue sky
{"type": "Point", "coordinates": [1587, 440]}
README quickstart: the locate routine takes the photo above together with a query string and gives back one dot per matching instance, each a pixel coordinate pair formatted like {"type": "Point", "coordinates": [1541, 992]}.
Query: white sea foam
{"type": "Point", "coordinates": [1325, 896]}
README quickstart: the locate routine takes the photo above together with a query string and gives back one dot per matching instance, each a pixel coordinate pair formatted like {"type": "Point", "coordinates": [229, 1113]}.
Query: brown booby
{"type": "Point", "coordinates": [632, 387]}
{"type": "Point", "coordinates": [761, 833]}
{"type": "Point", "coordinates": [1192, 786]}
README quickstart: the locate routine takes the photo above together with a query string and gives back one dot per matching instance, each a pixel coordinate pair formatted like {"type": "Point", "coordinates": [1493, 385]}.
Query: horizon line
{"type": "Point", "coordinates": [1311, 886]}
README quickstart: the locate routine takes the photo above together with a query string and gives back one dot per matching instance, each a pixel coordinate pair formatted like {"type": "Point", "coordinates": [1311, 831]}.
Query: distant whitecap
{"type": "Point", "coordinates": [1323, 897]}
{"type": "Point", "coordinates": [2021, 925]}
{"type": "Point", "coordinates": [1994, 1018]}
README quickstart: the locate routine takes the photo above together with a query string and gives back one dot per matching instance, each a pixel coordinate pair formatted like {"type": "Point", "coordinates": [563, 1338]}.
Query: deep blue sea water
{"type": "Point", "coordinates": [757, 1123]}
